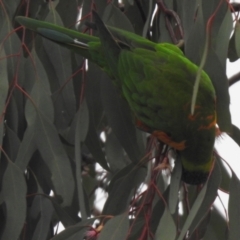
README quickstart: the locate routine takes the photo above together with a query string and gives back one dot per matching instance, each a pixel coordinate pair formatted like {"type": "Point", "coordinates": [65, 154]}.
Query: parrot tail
{"type": "Point", "coordinates": [73, 40]}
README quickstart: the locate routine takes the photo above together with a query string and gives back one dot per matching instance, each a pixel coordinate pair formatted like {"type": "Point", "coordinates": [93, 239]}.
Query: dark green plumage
{"type": "Point", "coordinates": [157, 82]}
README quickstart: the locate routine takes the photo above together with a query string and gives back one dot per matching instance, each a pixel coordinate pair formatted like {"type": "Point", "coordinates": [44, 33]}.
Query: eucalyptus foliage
{"type": "Point", "coordinates": [65, 131]}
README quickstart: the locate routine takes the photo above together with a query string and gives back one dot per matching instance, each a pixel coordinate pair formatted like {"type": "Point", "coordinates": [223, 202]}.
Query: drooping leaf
{"type": "Point", "coordinates": [94, 145]}
{"type": "Point", "coordinates": [114, 17]}
{"type": "Point", "coordinates": [115, 228]}
{"type": "Point", "coordinates": [234, 208]}
{"type": "Point", "coordinates": [217, 227]}
{"type": "Point", "coordinates": [115, 153]}
{"type": "Point", "coordinates": [3, 90]}
{"type": "Point", "coordinates": [81, 132]}
{"type": "Point", "coordinates": [235, 135]}
{"type": "Point", "coordinates": [47, 141]}
{"type": "Point", "coordinates": [211, 193]}
{"type": "Point", "coordinates": [14, 195]}
{"type": "Point", "coordinates": [174, 187]}
{"type": "Point", "coordinates": [26, 148]}
{"type": "Point", "coordinates": [120, 120]}
{"type": "Point", "coordinates": [224, 26]}
{"type": "Point", "coordinates": [234, 46]}
{"type": "Point", "coordinates": [123, 186]}
{"type": "Point", "coordinates": [11, 144]}
{"type": "Point", "coordinates": [202, 203]}
{"type": "Point", "coordinates": [74, 232]}
{"type": "Point", "coordinates": [218, 76]}
{"type": "Point", "coordinates": [167, 228]}
{"type": "Point", "coordinates": [42, 210]}
{"type": "Point", "coordinates": [187, 11]}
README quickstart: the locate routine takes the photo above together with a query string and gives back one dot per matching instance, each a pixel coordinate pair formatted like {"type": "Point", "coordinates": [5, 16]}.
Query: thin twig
{"type": "Point", "coordinates": [171, 15]}
{"type": "Point", "coordinates": [233, 79]}
{"type": "Point", "coordinates": [235, 7]}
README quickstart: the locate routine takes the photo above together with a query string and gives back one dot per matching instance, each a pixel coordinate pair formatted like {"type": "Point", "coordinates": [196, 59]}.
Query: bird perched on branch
{"type": "Point", "coordinates": [157, 82]}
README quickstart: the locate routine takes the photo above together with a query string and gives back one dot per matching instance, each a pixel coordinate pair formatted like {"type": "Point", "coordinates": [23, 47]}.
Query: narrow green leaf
{"type": "Point", "coordinates": [193, 212]}
{"type": "Point", "coordinates": [136, 228]}
{"type": "Point", "coordinates": [234, 208]}
{"type": "Point", "coordinates": [131, 2]}
{"type": "Point", "coordinates": [217, 74]}
{"type": "Point", "coordinates": [149, 19]}
{"type": "Point", "coordinates": [174, 187]}
{"type": "Point", "coordinates": [11, 46]}
{"type": "Point", "coordinates": [202, 227]}
{"type": "Point", "coordinates": [187, 11]}
{"type": "Point", "coordinates": [64, 215]}
{"type": "Point", "coordinates": [70, 133]}
{"type": "Point", "coordinates": [226, 177]}
{"type": "Point", "coordinates": [195, 38]}
{"type": "Point", "coordinates": [81, 131]}
{"type": "Point", "coordinates": [93, 93]}
{"type": "Point", "coordinates": [14, 195]}
{"type": "Point", "coordinates": [113, 16]}
{"type": "Point", "coordinates": [39, 114]}
{"type": "Point", "coordinates": [115, 153]}
{"type": "Point", "coordinates": [39, 175]}
{"type": "Point", "coordinates": [26, 148]}
{"type": "Point", "coordinates": [3, 90]}
{"type": "Point", "coordinates": [52, 152]}
{"type": "Point", "coordinates": [86, 8]}
{"type": "Point", "coordinates": [60, 58]}
{"type": "Point", "coordinates": [210, 196]}
{"type": "Point", "coordinates": [234, 48]}
{"type": "Point", "coordinates": [167, 228]}
{"type": "Point", "coordinates": [199, 72]}
{"type": "Point", "coordinates": [71, 7]}
{"type": "Point", "coordinates": [163, 29]}
{"type": "Point", "coordinates": [135, 16]}
{"type": "Point", "coordinates": [203, 202]}
{"type": "Point", "coordinates": [12, 115]}
{"type": "Point", "coordinates": [124, 187]}
{"type": "Point", "coordinates": [158, 210]}
{"type": "Point", "coordinates": [224, 32]}
{"type": "Point", "coordinates": [10, 6]}
{"type": "Point", "coordinates": [237, 36]}
{"type": "Point", "coordinates": [11, 144]}
{"type": "Point", "coordinates": [235, 135]}
{"type": "Point", "coordinates": [42, 208]}
{"type": "Point", "coordinates": [217, 228]}
{"type": "Point", "coordinates": [94, 145]}
{"type": "Point", "coordinates": [120, 119]}
{"type": "Point", "coordinates": [116, 228]}
{"type": "Point", "coordinates": [74, 232]}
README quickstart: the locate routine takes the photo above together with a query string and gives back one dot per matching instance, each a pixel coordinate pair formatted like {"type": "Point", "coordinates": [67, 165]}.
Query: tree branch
{"type": "Point", "coordinates": [233, 79]}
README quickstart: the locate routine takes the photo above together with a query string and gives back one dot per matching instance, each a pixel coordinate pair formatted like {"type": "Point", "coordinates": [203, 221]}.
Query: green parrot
{"type": "Point", "coordinates": [157, 80]}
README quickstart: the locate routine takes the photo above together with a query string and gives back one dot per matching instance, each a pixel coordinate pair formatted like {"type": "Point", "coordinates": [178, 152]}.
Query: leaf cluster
{"type": "Point", "coordinates": [65, 131]}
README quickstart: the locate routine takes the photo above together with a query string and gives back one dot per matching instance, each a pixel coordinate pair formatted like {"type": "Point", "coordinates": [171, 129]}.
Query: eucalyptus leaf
{"type": "Point", "coordinates": [61, 116]}
{"type": "Point", "coordinates": [14, 195]}
{"type": "Point", "coordinates": [116, 228]}
{"type": "Point", "coordinates": [3, 89]}
{"type": "Point", "coordinates": [234, 208]}
{"type": "Point", "coordinates": [167, 228]}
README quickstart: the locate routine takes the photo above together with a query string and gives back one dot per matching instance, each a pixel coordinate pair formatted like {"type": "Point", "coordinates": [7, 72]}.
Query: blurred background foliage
{"type": "Point", "coordinates": [66, 133]}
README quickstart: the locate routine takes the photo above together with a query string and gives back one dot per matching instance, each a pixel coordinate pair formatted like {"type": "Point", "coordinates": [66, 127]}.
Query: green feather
{"type": "Point", "coordinates": [157, 82]}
